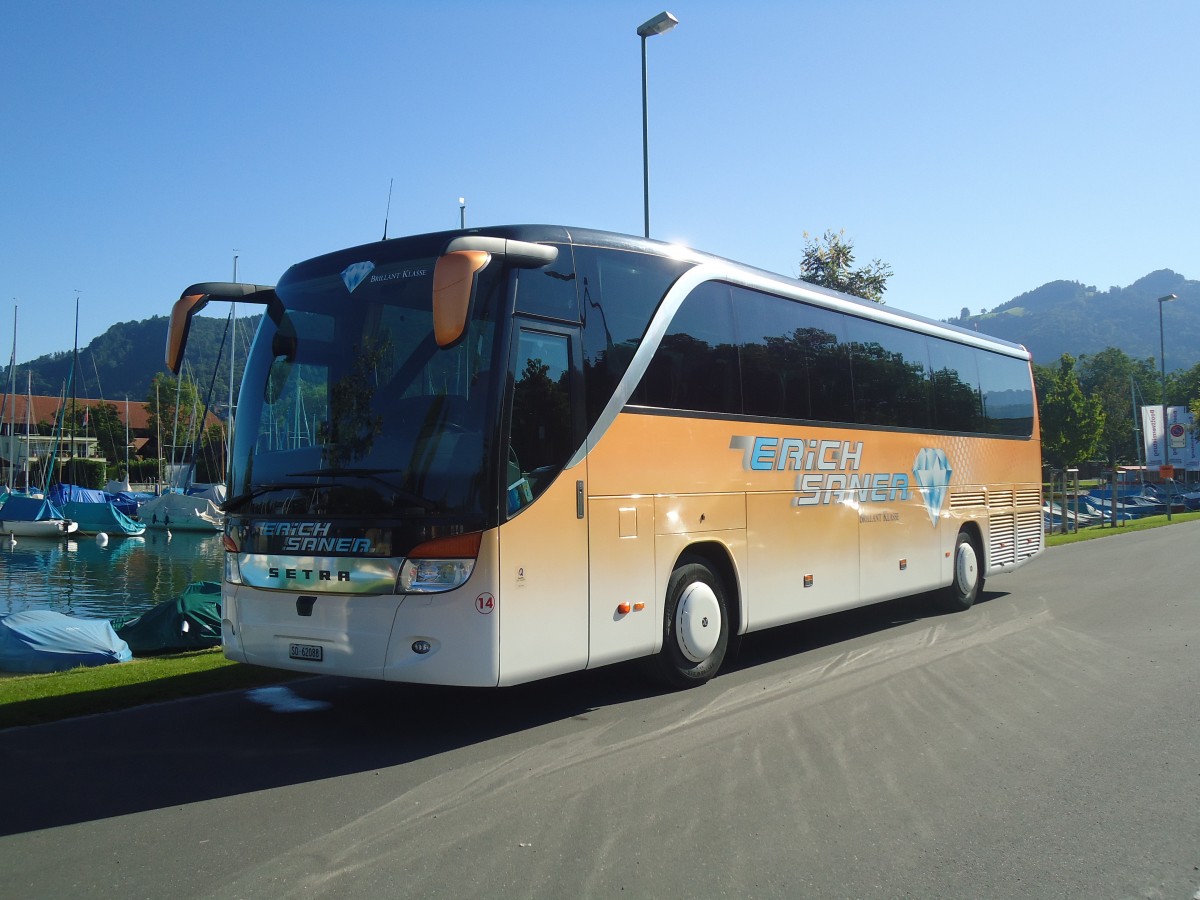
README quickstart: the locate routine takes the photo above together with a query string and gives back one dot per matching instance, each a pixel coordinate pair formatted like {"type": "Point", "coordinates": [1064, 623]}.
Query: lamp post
{"type": "Point", "coordinates": [1162, 355]}
{"type": "Point", "coordinates": [462, 212]}
{"type": "Point", "coordinates": [664, 21]}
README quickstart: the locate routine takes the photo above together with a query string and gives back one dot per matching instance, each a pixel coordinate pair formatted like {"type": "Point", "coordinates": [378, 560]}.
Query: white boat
{"type": "Point", "coordinates": [181, 512]}
{"type": "Point", "coordinates": [32, 517]}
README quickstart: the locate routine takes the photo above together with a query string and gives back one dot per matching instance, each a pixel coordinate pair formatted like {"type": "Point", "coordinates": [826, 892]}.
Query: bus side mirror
{"type": "Point", "coordinates": [181, 321]}
{"type": "Point", "coordinates": [454, 283]}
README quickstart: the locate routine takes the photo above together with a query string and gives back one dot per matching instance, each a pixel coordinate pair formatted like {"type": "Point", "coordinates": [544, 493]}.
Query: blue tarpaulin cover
{"type": "Point", "coordinates": [28, 509]}
{"type": "Point", "coordinates": [62, 494]}
{"type": "Point", "coordinates": [38, 640]}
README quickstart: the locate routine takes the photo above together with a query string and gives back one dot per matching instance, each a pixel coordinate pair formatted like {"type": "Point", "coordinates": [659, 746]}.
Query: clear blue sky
{"type": "Point", "coordinates": [980, 149]}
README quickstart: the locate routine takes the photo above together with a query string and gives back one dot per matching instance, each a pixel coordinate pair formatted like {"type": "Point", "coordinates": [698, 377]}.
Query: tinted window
{"type": "Point", "coordinates": [826, 352]}
{"type": "Point", "coordinates": [618, 294]}
{"type": "Point", "coordinates": [542, 438]}
{"type": "Point", "coordinates": [696, 364]}
{"type": "Point", "coordinates": [774, 378]}
{"type": "Point", "coordinates": [891, 374]}
{"type": "Point", "coordinates": [731, 349]}
{"type": "Point", "coordinates": [1007, 394]}
{"type": "Point", "coordinates": [956, 402]}
{"type": "Point", "coordinates": [549, 291]}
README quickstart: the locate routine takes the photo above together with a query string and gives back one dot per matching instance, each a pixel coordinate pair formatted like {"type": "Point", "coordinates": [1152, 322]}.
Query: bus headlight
{"type": "Point", "coordinates": [233, 569]}
{"type": "Point", "coordinates": [233, 566]}
{"type": "Point", "coordinates": [441, 564]}
{"type": "Point", "coordinates": [427, 576]}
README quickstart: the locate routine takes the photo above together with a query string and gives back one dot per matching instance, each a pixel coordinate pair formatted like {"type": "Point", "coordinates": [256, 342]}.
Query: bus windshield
{"type": "Point", "coordinates": [349, 408]}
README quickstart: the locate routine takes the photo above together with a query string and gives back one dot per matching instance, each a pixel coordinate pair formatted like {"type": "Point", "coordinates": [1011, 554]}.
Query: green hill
{"type": "Point", "coordinates": [1070, 317]}
{"type": "Point", "coordinates": [123, 361]}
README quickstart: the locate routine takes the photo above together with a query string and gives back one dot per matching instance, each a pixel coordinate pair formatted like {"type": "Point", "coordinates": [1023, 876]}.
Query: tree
{"type": "Point", "coordinates": [210, 456]}
{"type": "Point", "coordinates": [829, 265]}
{"type": "Point", "coordinates": [179, 431]}
{"type": "Point", "coordinates": [1107, 376]}
{"type": "Point", "coordinates": [1072, 424]}
{"type": "Point", "coordinates": [100, 420]}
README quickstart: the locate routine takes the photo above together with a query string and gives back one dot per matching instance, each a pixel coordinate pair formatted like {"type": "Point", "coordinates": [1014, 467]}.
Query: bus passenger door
{"type": "Point", "coordinates": [543, 605]}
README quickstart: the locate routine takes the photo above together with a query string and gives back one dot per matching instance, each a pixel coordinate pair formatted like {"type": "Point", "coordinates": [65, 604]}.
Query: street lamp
{"type": "Point", "coordinates": [664, 21]}
{"type": "Point", "coordinates": [462, 212]}
{"type": "Point", "coordinates": [1162, 354]}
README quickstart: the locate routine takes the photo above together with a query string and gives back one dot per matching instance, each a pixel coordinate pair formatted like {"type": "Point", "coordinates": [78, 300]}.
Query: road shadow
{"type": "Point", "coordinates": [190, 751]}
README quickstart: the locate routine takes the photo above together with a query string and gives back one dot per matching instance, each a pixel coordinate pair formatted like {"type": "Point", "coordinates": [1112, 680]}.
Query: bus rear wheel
{"type": "Point", "coordinates": [967, 580]}
{"type": "Point", "coordinates": [695, 627]}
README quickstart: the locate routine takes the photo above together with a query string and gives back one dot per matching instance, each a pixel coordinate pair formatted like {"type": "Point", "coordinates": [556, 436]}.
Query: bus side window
{"type": "Point", "coordinates": [541, 432]}
{"type": "Point", "coordinates": [551, 290]}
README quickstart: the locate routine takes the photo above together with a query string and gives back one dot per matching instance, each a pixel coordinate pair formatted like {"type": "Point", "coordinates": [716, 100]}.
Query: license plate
{"type": "Point", "coordinates": [313, 652]}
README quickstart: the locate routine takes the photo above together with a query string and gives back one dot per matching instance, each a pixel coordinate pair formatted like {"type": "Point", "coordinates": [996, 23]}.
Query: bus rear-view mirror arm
{"type": "Point", "coordinates": [195, 298]}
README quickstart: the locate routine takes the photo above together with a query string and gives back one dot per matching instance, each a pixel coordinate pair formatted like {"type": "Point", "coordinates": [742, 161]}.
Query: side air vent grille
{"type": "Point", "coordinates": [1000, 499]}
{"type": "Point", "coordinates": [965, 499]}
{"type": "Point", "coordinates": [1029, 533]}
{"type": "Point", "coordinates": [1029, 497]}
{"type": "Point", "coordinates": [1002, 537]}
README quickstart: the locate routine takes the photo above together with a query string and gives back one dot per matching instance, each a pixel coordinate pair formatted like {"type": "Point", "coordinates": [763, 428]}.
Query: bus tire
{"type": "Point", "coordinates": [967, 579]}
{"type": "Point", "coordinates": [695, 627]}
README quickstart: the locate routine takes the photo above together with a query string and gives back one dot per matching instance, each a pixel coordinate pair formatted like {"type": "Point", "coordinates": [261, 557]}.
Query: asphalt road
{"type": "Point", "coordinates": [1044, 744]}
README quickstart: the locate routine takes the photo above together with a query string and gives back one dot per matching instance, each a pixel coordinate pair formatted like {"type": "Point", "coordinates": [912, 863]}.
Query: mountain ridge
{"type": "Point", "coordinates": [1072, 317]}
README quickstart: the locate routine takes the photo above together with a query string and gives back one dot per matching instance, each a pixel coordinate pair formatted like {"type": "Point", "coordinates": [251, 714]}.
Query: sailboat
{"type": "Point", "coordinates": [122, 487]}
{"type": "Point", "coordinates": [25, 515]}
{"type": "Point", "coordinates": [94, 512]}
{"type": "Point", "coordinates": [34, 517]}
{"type": "Point", "coordinates": [180, 508]}
{"type": "Point", "coordinates": [177, 510]}
{"type": "Point", "coordinates": [9, 408]}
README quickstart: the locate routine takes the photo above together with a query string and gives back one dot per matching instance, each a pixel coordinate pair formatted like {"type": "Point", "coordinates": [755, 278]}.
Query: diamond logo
{"type": "Point", "coordinates": [353, 276]}
{"type": "Point", "coordinates": [932, 471]}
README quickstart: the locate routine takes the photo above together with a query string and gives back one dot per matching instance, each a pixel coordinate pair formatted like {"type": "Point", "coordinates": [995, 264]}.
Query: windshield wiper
{"type": "Point", "coordinates": [372, 475]}
{"type": "Point", "coordinates": [242, 499]}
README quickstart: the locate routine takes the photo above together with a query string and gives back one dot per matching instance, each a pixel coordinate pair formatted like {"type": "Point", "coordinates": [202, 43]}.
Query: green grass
{"type": "Point", "coordinates": [36, 699]}
{"type": "Point", "coordinates": [1095, 531]}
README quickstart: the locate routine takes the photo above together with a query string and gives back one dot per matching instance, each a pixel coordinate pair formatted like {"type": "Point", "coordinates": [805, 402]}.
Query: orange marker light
{"type": "Point", "coordinates": [623, 608]}
{"type": "Point", "coordinates": [638, 607]}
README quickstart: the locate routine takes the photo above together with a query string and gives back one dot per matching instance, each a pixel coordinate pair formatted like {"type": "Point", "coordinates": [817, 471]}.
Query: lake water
{"type": "Point", "coordinates": [124, 578]}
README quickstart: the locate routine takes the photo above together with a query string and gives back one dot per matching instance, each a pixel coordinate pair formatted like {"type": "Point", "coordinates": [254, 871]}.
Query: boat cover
{"type": "Point", "coordinates": [38, 640]}
{"type": "Point", "coordinates": [63, 494]}
{"type": "Point", "coordinates": [189, 622]}
{"type": "Point", "coordinates": [182, 513]}
{"type": "Point", "coordinates": [94, 518]}
{"type": "Point", "coordinates": [29, 509]}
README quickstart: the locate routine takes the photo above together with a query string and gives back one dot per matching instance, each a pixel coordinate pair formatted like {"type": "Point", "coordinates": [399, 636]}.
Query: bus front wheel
{"type": "Point", "coordinates": [967, 580]}
{"type": "Point", "coordinates": [695, 627]}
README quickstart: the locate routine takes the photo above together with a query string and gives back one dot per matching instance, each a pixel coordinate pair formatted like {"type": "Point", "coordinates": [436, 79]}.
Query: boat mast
{"type": "Point", "coordinates": [74, 477]}
{"type": "Point", "coordinates": [232, 352]}
{"type": "Point", "coordinates": [158, 437]}
{"type": "Point", "coordinates": [127, 439]}
{"type": "Point", "coordinates": [28, 426]}
{"type": "Point", "coordinates": [9, 398]}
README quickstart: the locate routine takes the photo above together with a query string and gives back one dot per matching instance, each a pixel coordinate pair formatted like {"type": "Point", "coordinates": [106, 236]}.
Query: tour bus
{"type": "Point", "coordinates": [487, 456]}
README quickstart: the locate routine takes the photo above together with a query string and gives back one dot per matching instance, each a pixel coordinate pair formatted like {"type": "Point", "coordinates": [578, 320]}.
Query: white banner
{"type": "Point", "coordinates": [1183, 450]}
